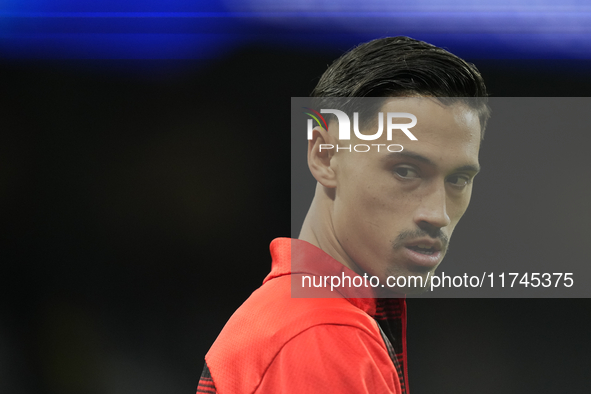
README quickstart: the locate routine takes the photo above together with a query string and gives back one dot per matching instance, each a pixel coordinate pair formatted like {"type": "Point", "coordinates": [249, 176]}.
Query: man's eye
{"type": "Point", "coordinates": [459, 180]}
{"type": "Point", "coordinates": [406, 172]}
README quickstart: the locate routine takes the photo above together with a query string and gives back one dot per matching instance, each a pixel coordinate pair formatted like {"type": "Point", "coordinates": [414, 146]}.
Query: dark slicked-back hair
{"type": "Point", "coordinates": [398, 67]}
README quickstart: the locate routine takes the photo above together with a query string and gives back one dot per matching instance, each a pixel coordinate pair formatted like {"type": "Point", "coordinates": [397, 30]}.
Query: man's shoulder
{"type": "Point", "coordinates": [270, 313]}
{"type": "Point", "coordinates": [274, 304]}
{"type": "Point", "coordinates": [270, 318]}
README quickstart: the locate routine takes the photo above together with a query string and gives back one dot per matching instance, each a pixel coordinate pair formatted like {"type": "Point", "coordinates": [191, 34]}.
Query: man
{"type": "Point", "coordinates": [381, 213]}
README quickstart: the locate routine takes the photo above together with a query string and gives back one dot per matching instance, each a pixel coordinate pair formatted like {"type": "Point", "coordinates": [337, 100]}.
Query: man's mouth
{"type": "Point", "coordinates": [423, 249]}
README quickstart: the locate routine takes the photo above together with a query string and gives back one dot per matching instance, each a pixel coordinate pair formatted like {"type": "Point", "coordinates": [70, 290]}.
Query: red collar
{"type": "Point", "coordinates": [294, 256]}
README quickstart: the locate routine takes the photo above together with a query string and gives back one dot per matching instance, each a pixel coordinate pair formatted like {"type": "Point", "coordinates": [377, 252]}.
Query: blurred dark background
{"type": "Point", "coordinates": [140, 189]}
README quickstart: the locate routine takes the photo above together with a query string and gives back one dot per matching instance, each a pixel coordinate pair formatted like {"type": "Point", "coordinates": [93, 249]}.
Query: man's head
{"type": "Point", "coordinates": [402, 66]}
{"type": "Point", "coordinates": [392, 213]}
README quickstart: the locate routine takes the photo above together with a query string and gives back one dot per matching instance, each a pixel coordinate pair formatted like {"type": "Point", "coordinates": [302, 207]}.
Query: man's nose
{"type": "Point", "coordinates": [432, 212]}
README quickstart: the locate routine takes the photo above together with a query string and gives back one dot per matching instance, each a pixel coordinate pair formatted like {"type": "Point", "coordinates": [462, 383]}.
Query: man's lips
{"type": "Point", "coordinates": [424, 245]}
{"type": "Point", "coordinates": [425, 252]}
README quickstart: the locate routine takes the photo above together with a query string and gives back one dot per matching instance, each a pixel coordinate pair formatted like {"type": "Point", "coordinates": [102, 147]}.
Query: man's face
{"type": "Point", "coordinates": [394, 213]}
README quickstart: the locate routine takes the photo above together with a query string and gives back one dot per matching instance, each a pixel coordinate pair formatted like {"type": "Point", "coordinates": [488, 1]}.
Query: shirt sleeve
{"type": "Point", "coordinates": [331, 359]}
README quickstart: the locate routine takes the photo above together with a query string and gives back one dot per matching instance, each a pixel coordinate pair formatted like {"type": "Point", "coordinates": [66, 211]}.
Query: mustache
{"type": "Point", "coordinates": [406, 236]}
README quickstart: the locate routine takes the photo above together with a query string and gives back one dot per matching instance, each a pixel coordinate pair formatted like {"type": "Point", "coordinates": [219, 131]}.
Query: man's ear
{"type": "Point", "coordinates": [320, 152]}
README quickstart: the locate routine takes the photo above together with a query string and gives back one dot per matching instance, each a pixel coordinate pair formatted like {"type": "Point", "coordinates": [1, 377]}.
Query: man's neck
{"type": "Point", "coordinates": [319, 231]}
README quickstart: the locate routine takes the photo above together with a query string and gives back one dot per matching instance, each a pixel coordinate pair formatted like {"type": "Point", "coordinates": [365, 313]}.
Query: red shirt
{"type": "Point", "coordinates": [278, 344]}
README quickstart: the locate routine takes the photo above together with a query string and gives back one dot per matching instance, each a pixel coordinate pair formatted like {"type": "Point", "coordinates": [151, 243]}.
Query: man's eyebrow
{"type": "Point", "coordinates": [412, 155]}
{"type": "Point", "coordinates": [423, 159]}
{"type": "Point", "coordinates": [469, 167]}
